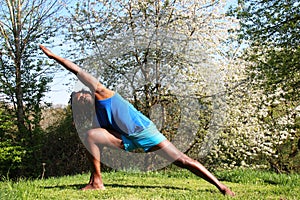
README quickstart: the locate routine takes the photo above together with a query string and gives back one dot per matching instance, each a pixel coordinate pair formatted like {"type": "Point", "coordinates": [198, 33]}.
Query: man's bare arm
{"type": "Point", "coordinates": [83, 76]}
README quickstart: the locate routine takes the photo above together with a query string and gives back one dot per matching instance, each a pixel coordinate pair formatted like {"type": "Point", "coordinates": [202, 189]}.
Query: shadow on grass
{"type": "Point", "coordinates": [79, 186]}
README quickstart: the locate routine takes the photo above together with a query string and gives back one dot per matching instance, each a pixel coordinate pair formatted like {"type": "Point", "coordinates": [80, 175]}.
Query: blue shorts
{"type": "Point", "coordinates": [145, 139]}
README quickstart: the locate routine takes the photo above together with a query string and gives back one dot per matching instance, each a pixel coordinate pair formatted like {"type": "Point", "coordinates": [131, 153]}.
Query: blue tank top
{"type": "Point", "coordinates": [118, 114]}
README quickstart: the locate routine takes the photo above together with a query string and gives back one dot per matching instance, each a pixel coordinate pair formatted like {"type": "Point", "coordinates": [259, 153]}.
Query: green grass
{"type": "Point", "coordinates": [178, 184]}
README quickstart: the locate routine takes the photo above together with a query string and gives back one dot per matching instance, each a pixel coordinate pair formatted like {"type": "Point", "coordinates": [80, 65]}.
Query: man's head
{"type": "Point", "coordinates": [82, 98]}
{"type": "Point", "coordinates": [82, 105]}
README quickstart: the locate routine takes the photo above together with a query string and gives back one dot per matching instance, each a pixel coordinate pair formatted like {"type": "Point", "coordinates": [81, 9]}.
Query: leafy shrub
{"type": "Point", "coordinates": [11, 156]}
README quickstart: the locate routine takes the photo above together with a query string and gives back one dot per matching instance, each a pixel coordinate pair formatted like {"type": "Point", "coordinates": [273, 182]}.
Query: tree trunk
{"type": "Point", "coordinates": [19, 97]}
{"type": "Point", "coordinates": [18, 53]}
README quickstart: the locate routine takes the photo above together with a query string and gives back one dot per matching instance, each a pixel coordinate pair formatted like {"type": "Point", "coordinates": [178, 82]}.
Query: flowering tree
{"type": "Point", "coordinates": [157, 52]}
{"type": "Point", "coordinates": [264, 117]}
{"type": "Point", "coordinates": [260, 131]}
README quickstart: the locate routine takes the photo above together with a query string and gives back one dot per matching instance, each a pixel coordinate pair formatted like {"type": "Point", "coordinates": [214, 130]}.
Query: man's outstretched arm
{"type": "Point", "coordinates": [83, 76]}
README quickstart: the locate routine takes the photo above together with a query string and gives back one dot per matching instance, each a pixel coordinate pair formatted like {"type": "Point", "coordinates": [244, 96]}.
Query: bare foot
{"type": "Point", "coordinates": [95, 183]}
{"type": "Point", "coordinates": [226, 191]}
{"type": "Point", "coordinates": [93, 187]}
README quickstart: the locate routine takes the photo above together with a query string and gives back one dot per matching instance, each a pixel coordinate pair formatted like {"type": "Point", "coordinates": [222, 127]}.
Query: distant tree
{"type": "Point", "coordinates": [23, 25]}
{"type": "Point", "coordinates": [23, 81]}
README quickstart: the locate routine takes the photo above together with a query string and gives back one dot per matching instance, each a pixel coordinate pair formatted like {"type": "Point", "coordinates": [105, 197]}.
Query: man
{"type": "Point", "coordinates": [122, 126]}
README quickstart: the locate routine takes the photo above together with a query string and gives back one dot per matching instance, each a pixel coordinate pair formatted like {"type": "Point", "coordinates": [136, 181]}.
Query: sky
{"type": "Point", "coordinates": [63, 84]}
{"type": "Point", "coordinates": [60, 92]}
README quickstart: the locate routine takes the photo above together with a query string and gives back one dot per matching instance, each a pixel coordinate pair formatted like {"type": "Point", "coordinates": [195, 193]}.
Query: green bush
{"type": "Point", "coordinates": [62, 151]}
{"type": "Point", "coordinates": [11, 157]}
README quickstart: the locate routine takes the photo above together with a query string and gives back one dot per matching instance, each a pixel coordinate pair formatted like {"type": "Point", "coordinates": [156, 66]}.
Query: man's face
{"type": "Point", "coordinates": [83, 98]}
{"type": "Point", "coordinates": [83, 109]}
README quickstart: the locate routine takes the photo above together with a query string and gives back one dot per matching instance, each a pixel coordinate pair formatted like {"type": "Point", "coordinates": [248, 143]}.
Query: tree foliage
{"type": "Point", "coordinates": [23, 25]}
{"type": "Point", "coordinates": [266, 119]}
{"type": "Point", "coordinates": [271, 28]}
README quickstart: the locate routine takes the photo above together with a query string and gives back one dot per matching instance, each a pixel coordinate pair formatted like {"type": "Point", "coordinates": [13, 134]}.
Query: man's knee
{"type": "Point", "coordinates": [101, 136]}
{"type": "Point", "coordinates": [94, 133]}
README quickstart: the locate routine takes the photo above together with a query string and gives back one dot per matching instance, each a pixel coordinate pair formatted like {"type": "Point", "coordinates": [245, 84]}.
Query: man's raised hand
{"type": "Point", "coordinates": [46, 51]}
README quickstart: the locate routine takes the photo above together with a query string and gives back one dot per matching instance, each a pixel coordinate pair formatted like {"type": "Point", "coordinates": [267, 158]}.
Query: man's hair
{"type": "Point", "coordinates": [74, 93]}
{"type": "Point", "coordinates": [82, 114]}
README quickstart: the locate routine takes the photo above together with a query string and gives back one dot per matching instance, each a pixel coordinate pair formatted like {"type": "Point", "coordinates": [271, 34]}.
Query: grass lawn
{"type": "Point", "coordinates": [177, 184]}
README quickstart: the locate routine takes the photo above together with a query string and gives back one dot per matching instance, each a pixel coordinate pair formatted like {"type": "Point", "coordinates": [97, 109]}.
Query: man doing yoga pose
{"type": "Point", "coordinates": [124, 127]}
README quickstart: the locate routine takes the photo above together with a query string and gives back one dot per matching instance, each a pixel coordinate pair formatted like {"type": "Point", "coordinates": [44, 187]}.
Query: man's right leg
{"type": "Point", "coordinates": [167, 150]}
{"type": "Point", "coordinates": [95, 139]}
